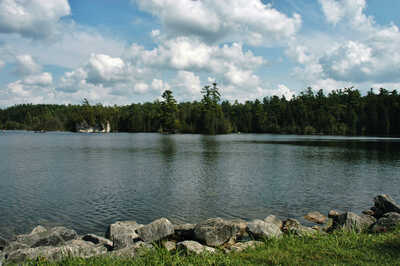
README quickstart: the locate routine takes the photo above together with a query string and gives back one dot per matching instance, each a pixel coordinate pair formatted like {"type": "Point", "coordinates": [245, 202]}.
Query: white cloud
{"type": "Point", "coordinates": [350, 11]}
{"type": "Point", "coordinates": [240, 20]}
{"type": "Point", "coordinates": [44, 79]}
{"type": "Point", "coordinates": [26, 65]}
{"type": "Point", "coordinates": [32, 18]}
{"type": "Point", "coordinates": [103, 69]}
{"type": "Point", "coordinates": [188, 83]}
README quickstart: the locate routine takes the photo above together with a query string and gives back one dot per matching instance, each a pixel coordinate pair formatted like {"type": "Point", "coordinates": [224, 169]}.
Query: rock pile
{"type": "Point", "coordinates": [130, 239]}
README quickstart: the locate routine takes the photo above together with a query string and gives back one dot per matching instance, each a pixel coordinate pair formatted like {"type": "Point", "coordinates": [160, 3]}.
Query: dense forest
{"type": "Point", "coordinates": [341, 112]}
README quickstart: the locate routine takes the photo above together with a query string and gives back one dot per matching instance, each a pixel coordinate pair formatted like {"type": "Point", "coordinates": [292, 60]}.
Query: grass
{"type": "Point", "coordinates": [339, 248]}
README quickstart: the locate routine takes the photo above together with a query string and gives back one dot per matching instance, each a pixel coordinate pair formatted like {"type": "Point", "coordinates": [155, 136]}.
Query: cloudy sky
{"type": "Point", "coordinates": [124, 51]}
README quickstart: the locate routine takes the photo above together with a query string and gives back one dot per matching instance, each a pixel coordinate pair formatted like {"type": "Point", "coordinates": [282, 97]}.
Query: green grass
{"type": "Point", "coordinates": [340, 248]}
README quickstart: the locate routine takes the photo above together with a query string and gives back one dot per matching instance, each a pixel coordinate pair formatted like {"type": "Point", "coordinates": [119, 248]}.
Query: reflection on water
{"type": "Point", "coordinates": [89, 181]}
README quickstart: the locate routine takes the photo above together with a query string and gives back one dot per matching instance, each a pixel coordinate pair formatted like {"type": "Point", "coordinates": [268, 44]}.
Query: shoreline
{"type": "Point", "coordinates": [214, 235]}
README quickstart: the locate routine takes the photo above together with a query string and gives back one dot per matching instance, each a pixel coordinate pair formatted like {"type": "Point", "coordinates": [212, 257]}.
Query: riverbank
{"type": "Point", "coordinates": [344, 238]}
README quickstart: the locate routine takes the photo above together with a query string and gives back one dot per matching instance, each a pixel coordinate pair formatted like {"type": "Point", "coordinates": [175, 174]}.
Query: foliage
{"type": "Point", "coordinates": [341, 112]}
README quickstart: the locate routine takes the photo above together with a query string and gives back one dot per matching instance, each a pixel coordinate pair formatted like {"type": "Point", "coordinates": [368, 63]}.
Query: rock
{"type": "Point", "coordinates": [3, 243]}
{"type": "Point", "coordinates": [293, 226]}
{"type": "Point", "coordinates": [387, 222]}
{"type": "Point", "coordinates": [215, 232]}
{"type": "Point", "coordinates": [74, 248]}
{"type": "Point", "coordinates": [38, 229]}
{"type": "Point", "coordinates": [316, 217]}
{"type": "Point", "coordinates": [369, 212]}
{"type": "Point", "coordinates": [52, 237]}
{"type": "Point", "coordinates": [184, 231]}
{"type": "Point", "coordinates": [190, 246]}
{"type": "Point", "coordinates": [169, 245]}
{"type": "Point", "coordinates": [241, 246]}
{"type": "Point", "coordinates": [333, 213]}
{"type": "Point", "coordinates": [123, 233]}
{"type": "Point", "coordinates": [240, 225]}
{"type": "Point", "coordinates": [384, 204]}
{"type": "Point", "coordinates": [98, 240]}
{"type": "Point", "coordinates": [12, 246]}
{"type": "Point", "coordinates": [259, 229]}
{"type": "Point", "coordinates": [136, 249]}
{"type": "Point", "coordinates": [352, 222]}
{"type": "Point", "coordinates": [156, 230]}
{"type": "Point", "coordinates": [275, 220]}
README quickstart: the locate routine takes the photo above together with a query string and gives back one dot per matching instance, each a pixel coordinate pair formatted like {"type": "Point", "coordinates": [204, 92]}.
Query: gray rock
{"type": "Point", "coordinates": [315, 217]}
{"type": "Point", "coordinates": [123, 233]}
{"type": "Point", "coordinates": [190, 246]}
{"type": "Point", "coordinates": [275, 220]}
{"type": "Point", "coordinates": [293, 226]}
{"type": "Point", "coordinates": [52, 237]}
{"type": "Point", "coordinates": [136, 249]}
{"type": "Point", "coordinates": [387, 222]}
{"type": "Point", "coordinates": [241, 226]}
{"type": "Point", "coordinates": [156, 230]}
{"type": "Point", "coordinates": [384, 204]}
{"type": "Point", "coordinates": [98, 240]}
{"type": "Point", "coordinates": [3, 243]}
{"type": "Point", "coordinates": [38, 229]}
{"type": "Point", "coordinates": [259, 229]}
{"type": "Point", "coordinates": [215, 232]}
{"type": "Point", "coordinates": [333, 214]}
{"type": "Point", "coordinates": [352, 222]}
{"type": "Point", "coordinates": [74, 248]}
{"type": "Point", "coordinates": [12, 246]}
{"type": "Point", "coordinates": [169, 245]}
{"type": "Point", "coordinates": [242, 246]}
{"type": "Point", "coordinates": [184, 231]}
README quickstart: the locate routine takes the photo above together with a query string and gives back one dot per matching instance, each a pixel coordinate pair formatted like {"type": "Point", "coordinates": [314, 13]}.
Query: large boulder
{"type": "Point", "coordinates": [156, 230]}
{"type": "Point", "coordinates": [259, 229]}
{"type": "Point", "coordinates": [74, 248]}
{"type": "Point", "coordinates": [184, 231]}
{"type": "Point", "coordinates": [215, 232]}
{"type": "Point", "coordinates": [190, 246]}
{"type": "Point", "coordinates": [241, 246]}
{"type": "Point", "coordinates": [293, 226]}
{"type": "Point", "coordinates": [136, 249]}
{"type": "Point", "coordinates": [98, 240]}
{"type": "Point", "coordinates": [315, 217]}
{"type": "Point", "coordinates": [3, 243]}
{"type": "Point", "coordinates": [123, 233]}
{"type": "Point", "coordinates": [387, 222]}
{"type": "Point", "coordinates": [384, 204]}
{"type": "Point", "coordinates": [275, 220]}
{"type": "Point", "coordinates": [43, 237]}
{"type": "Point", "coordinates": [350, 221]}
{"type": "Point", "coordinates": [169, 245]}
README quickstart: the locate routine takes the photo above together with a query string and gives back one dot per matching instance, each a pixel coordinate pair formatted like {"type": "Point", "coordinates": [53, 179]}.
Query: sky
{"type": "Point", "coordinates": [125, 51]}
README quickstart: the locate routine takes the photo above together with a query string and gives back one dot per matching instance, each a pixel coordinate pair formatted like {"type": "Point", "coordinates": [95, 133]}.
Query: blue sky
{"type": "Point", "coordinates": [124, 51]}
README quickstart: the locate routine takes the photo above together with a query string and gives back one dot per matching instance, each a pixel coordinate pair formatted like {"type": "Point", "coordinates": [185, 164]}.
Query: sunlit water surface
{"type": "Point", "coordinates": [87, 181]}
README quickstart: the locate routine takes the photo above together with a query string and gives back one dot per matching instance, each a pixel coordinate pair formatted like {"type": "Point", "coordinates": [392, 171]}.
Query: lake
{"type": "Point", "coordinates": [87, 181]}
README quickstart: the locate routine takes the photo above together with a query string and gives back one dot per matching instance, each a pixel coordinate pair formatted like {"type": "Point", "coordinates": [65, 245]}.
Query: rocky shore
{"type": "Point", "coordinates": [130, 239]}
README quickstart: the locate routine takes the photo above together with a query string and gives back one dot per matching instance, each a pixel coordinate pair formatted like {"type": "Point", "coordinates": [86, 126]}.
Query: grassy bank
{"type": "Point", "coordinates": [340, 248]}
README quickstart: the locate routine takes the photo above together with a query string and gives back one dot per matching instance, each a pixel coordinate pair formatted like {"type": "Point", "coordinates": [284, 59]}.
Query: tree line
{"type": "Point", "coordinates": [341, 112]}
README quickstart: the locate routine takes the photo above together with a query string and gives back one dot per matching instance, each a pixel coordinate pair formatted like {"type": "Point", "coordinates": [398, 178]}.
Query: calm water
{"type": "Point", "coordinates": [87, 181]}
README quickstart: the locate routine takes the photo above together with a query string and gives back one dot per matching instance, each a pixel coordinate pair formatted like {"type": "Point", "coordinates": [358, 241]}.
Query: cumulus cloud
{"type": "Point", "coordinates": [244, 20]}
{"type": "Point", "coordinates": [358, 53]}
{"type": "Point", "coordinates": [351, 11]}
{"type": "Point", "coordinates": [26, 65]}
{"type": "Point", "coordinates": [32, 18]}
{"type": "Point", "coordinates": [44, 79]}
